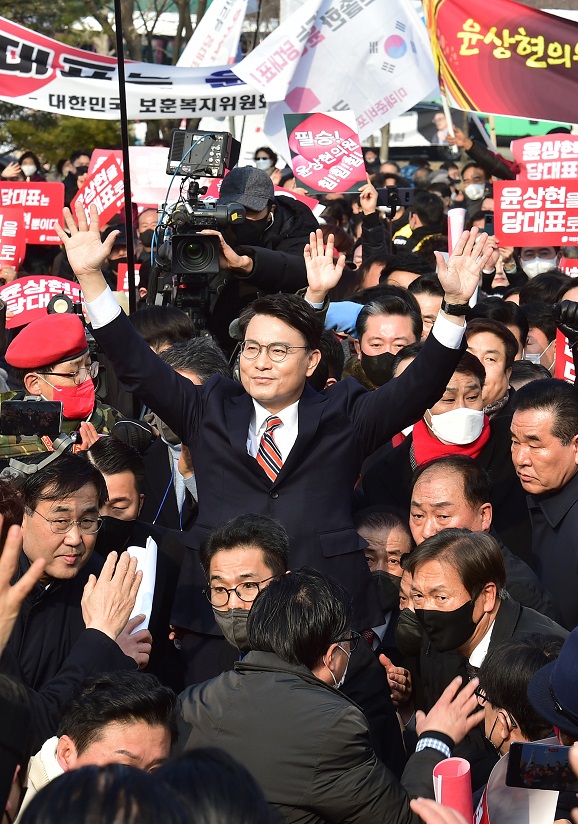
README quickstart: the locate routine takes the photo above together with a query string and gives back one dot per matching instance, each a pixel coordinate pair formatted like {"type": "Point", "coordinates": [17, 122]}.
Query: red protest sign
{"type": "Point", "coordinates": [546, 157]}
{"type": "Point", "coordinates": [105, 188]}
{"type": "Point", "coordinates": [12, 236]}
{"type": "Point", "coordinates": [528, 212]}
{"type": "Point", "coordinates": [564, 368]}
{"type": "Point", "coordinates": [42, 204]}
{"type": "Point", "coordinates": [569, 266]}
{"type": "Point", "coordinates": [148, 178]}
{"type": "Point", "coordinates": [326, 154]}
{"type": "Point", "coordinates": [27, 298]}
{"type": "Point", "coordinates": [122, 277]}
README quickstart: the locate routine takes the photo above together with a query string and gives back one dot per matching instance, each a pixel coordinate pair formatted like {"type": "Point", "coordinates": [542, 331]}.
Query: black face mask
{"type": "Point", "coordinates": [250, 232]}
{"type": "Point", "coordinates": [378, 368]}
{"type": "Point", "coordinates": [448, 630]}
{"type": "Point", "coordinates": [387, 589]}
{"type": "Point", "coordinates": [146, 238]}
{"type": "Point", "coordinates": [113, 536]}
{"type": "Point", "coordinates": [408, 633]}
{"type": "Point", "coordinates": [113, 264]}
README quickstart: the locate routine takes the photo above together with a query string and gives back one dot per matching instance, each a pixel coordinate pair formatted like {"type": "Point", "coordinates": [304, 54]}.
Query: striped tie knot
{"type": "Point", "coordinates": [268, 456]}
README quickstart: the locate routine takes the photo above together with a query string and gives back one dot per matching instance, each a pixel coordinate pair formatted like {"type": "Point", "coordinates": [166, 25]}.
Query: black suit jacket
{"type": "Point", "coordinates": [389, 481]}
{"type": "Point", "coordinates": [160, 503]}
{"type": "Point", "coordinates": [312, 495]}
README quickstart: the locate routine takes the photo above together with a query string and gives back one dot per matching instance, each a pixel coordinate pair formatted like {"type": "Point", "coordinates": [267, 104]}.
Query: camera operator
{"type": "Point", "coordinates": [50, 357]}
{"type": "Point", "coordinates": [263, 254]}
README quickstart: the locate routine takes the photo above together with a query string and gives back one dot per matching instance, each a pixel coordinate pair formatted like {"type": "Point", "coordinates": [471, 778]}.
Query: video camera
{"type": "Point", "coordinates": [185, 259]}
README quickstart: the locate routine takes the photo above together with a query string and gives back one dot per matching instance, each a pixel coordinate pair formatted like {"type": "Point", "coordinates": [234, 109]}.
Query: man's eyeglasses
{"type": "Point", "coordinates": [277, 352]}
{"type": "Point", "coordinates": [560, 709]}
{"type": "Point", "coordinates": [60, 526]}
{"type": "Point", "coordinates": [247, 592]}
{"type": "Point", "coordinates": [352, 639]}
{"type": "Point", "coordinates": [80, 375]}
{"type": "Point", "coordinates": [483, 699]}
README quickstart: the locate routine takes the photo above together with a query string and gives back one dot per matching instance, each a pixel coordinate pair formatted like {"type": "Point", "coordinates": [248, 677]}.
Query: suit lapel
{"type": "Point", "coordinates": [238, 412]}
{"type": "Point", "coordinates": [310, 409]}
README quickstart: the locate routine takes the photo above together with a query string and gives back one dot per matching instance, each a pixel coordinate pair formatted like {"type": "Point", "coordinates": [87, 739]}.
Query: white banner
{"type": "Point", "coordinates": [40, 73]}
{"type": "Point", "coordinates": [215, 40]}
{"type": "Point", "coordinates": [371, 56]}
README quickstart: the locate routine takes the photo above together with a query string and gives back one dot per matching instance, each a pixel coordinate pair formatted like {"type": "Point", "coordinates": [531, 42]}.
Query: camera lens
{"type": "Point", "coordinates": [195, 254]}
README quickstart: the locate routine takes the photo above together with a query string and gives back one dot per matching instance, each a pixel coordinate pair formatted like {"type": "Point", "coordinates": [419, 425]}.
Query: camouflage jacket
{"type": "Point", "coordinates": [19, 446]}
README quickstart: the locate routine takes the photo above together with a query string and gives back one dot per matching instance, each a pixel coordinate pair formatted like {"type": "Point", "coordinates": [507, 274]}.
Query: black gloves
{"type": "Point", "coordinates": [566, 318]}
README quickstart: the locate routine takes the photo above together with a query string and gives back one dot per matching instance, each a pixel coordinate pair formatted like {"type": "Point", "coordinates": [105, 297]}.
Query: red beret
{"type": "Point", "coordinates": [48, 340]}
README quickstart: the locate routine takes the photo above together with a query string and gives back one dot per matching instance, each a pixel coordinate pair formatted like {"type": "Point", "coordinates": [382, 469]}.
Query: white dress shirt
{"type": "Point", "coordinates": [284, 436]}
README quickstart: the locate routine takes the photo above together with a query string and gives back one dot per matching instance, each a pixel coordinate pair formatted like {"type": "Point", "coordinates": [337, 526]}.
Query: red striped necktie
{"type": "Point", "coordinates": [268, 457]}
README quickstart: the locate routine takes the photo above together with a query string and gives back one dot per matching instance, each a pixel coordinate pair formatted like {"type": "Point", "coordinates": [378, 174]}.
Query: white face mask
{"type": "Point", "coordinates": [536, 357]}
{"type": "Point", "coordinates": [338, 684]}
{"type": "Point", "coordinates": [538, 266]}
{"type": "Point", "coordinates": [28, 169]}
{"type": "Point", "coordinates": [264, 163]}
{"type": "Point", "coordinates": [459, 426]}
{"type": "Point", "coordinates": [475, 191]}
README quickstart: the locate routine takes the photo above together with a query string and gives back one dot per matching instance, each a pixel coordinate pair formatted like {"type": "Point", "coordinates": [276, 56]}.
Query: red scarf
{"type": "Point", "coordinates": [427, 448]}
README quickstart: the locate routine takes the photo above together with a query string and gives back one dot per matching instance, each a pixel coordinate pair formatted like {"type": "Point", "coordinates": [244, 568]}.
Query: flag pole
{"type": "Point", "coordinates": [130, 258]}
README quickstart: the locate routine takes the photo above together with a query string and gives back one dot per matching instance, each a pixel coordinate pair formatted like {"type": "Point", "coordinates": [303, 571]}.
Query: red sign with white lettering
{"type": "Point", "coordinates": [528, 212]}
{"type": "Point", "coordinates": [12, 236]}
{"type": "Point", "coordinates": [105, 189]}
{"type": "Point", "coordinates": [42, 204]}
{"type": "Point", "coordinates": [27, 298]}
{"type": "Point", "coordinates": [122, 277]}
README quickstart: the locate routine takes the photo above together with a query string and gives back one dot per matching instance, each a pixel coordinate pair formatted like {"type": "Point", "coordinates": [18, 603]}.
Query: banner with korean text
{"type": "Point", "coordinates": [370, 56]}
{"type": "Point", "coordinates": [215, 40]}
{"type": "Point", "coordinates": [547, 156]}
{"type": "Point", "coordinates": [528, 212]}
{"type": "Point", "coordinates": [44, 74]}
{"type": "Point", "coordinates": [27, 298]}
{"type": "Point", "coordinates": [505, 58]}
{"type": "Point", "coordinates": [12, 236]}
{"type": "Point", "coordinates": [42, 204]}
{"type": "Point", "coordinates": [325, 152]}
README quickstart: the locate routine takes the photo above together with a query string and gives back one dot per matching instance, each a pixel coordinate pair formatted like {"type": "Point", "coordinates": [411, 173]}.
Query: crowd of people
{"type": "Point", "coordinates": [283, 569]}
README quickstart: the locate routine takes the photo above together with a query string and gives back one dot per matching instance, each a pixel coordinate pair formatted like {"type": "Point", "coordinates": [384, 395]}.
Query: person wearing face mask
{"type": "Point", "coordinates": [455, 425]}
{"type": "Point", "coordinates": [31, 167]}
{"type": "Point", "coordinates": [122, 527]}
{"type": "Point", "coordinates": [50, 358]}
{"type": "Point", "coordinates": [459, 596]}
{"type": "Point", "coordinates": [536, 260]}
{"type": "Point", "coordinates": [475, 182]}
{"type": "Point", "coordinates": [282, 713]}
{"type": "Point", "coordinates": [541, 341]}
{"type": "Point", "coordinates": [240, 559]}
{"type": "Point", "coordinates": [383, 327]}
{"type": "Point", "coordinates": [146, 225]}
{"type": "Point", "coordinates": [261, 255]}
{"type": "Point", "coordinates": [266, 160]}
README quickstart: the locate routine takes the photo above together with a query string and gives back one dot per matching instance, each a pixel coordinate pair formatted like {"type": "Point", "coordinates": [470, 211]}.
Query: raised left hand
{"type": "Point", "coordinates": [322, 272]}
{"type": "Point", "coordinates": [89, 436]}
{"type": "Point", "coordinates": [12, 596]}
{"type": "Point", "coordinates": [461, 275]}
{"type": "Point", "coordinates": [399, 680]}
{"type": "Point", "coordinates": [454, 713]}
{"type": "Point", "coordinates": [229, 259]}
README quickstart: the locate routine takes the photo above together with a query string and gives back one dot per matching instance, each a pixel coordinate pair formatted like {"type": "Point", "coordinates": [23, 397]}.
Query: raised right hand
{"type": "Point", "coordinates": [454, 713]}
{"type": "Point", "coordinates": [566, 318]}
{"type": "Point", "coordinates": [85, 251]}
{"type": "Point", "coordinates": [108, 601]}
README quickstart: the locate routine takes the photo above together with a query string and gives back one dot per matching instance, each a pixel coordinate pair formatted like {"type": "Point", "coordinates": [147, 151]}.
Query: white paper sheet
{"type": "Point", "coordinates": [146, 562]}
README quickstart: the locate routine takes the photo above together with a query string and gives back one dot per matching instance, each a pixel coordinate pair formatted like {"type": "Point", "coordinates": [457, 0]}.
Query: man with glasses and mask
{"type": "Point", "coordinates": [282, 713]}
{"type": "Point", "coordinates": [50, 358]}
{"type": "Point", "coordinates": [60, 525]}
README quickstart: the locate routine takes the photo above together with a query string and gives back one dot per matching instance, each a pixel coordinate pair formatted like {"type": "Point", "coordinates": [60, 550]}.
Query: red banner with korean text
{"type": "Point", "coordinates": [569, 266]}
{"type": "Point", "coordinates": [105, 189]}
{"type": "Point", "coordinates": [504, 58]}
{"type": "Point", "coordinates": [122, 277]}
{"type": "Point", "coordinates": [547, 156]}
{"type": "Point", "coordinates": [12, 236]}
{"type": "Point", "coordinates": [27, 298]}
{"type": "Point", "coordinates": [326, 153]}
{"type": "Point", "coordinates": [42, 204]}
{"type": "Point", "coordinates": [531, 213]}
{"type": "Point", "coordinates": [564, 368]}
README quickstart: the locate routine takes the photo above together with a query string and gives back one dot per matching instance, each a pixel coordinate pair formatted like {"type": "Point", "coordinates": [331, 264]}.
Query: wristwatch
{"type": "Point", "coordinates": [457, 309]}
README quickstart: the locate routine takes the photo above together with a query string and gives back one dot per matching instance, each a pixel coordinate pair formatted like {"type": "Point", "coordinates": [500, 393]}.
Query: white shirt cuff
{"type": "Point", "coordinates": [445, 332]}
{"type": "Point", "coordinates": [314, 305]}
{"type": "Point", "coordinates": [104, 309]}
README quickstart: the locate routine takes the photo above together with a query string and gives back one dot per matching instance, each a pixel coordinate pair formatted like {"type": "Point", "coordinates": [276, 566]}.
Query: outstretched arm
{"type": "Point", "coordinates": [85, 250]}
{"type": "Point", "coordinates": [322, 272]}
{"type": "Point", "coordinates": [460, 276]}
